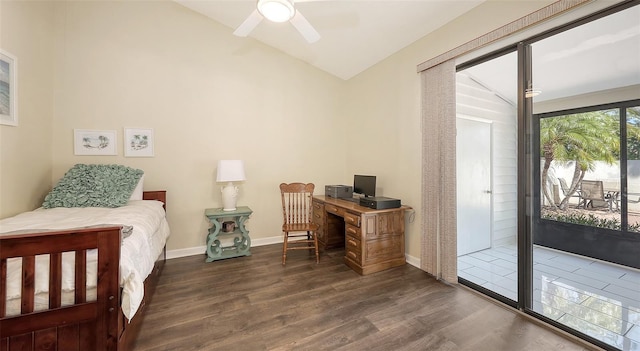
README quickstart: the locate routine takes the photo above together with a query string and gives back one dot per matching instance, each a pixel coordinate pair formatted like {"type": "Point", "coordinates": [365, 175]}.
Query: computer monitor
{"type": "Point", "coordinates": [364, 185]}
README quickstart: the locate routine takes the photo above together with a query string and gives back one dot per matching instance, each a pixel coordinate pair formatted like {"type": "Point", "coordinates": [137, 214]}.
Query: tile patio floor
{"type": "Point", "coordinates": [597, 298]}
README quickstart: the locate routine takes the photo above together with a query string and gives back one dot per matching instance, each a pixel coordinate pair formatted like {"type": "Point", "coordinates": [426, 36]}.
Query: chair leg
{"type": "Point", "coordinates": [284, 248]}
{"type": "Point", "coordinates": [315, 239]}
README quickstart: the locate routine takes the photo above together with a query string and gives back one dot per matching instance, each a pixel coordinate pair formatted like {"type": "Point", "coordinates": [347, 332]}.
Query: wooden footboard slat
{"type": "Point", "coordinates": [109, 287]}
{"type": "Point", "coordinates": [47, 319]}
{"type": "Point", "coordinates": [28, 284]}
{"type": "Point", "coordinates": [55, 280]}
{"type": "Point", "coordinates": [21, 342]}
{"type": "Point", "coordinates": [68, 338]}
{"type": "Point", "coordinates": [87, 336]}
{"type": "Point", "coordinates": [3, 288]}
{"type": "Point", "coordinates": [47, 242]}
{"type": "Point", "coordinates": [45, 339]}
{"type": "Point", "coordinates": [81, 276]}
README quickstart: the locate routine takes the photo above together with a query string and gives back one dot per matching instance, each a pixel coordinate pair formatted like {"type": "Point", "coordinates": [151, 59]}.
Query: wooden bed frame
{"type": "Point", "coordinates": [86, 325]}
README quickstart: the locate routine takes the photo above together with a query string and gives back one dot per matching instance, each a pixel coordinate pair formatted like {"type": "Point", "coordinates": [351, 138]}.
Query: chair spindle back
{"type": "Point", "coordinates": [296, 202]}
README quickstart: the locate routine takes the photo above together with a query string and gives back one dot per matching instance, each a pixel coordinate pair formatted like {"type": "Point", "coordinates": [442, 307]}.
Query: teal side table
{"type": "Point", "coordinates": [220, 244]}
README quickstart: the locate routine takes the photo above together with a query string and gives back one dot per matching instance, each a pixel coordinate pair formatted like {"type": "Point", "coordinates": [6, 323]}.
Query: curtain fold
{"type": "Point", "coordinates": [438, 252]}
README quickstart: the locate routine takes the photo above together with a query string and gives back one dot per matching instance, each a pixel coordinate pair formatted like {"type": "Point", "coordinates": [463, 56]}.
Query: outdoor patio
{"type": "Point", "coordinates": [597, 298]}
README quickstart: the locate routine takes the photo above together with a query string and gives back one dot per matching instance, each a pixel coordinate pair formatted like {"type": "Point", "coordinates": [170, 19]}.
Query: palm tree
{"type": "Point", "coordinates": [633, 133]}
{"type": "Point", "coordinates": [581, 138]}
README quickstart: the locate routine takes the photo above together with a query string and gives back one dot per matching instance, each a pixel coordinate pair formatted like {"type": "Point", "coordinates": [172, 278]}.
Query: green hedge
{"type": "Point", "coordinates": [590, 220]}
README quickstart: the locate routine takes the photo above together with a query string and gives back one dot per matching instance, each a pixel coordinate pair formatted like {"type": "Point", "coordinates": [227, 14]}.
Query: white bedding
{"type": "Point", "coordinates": [137, 257]}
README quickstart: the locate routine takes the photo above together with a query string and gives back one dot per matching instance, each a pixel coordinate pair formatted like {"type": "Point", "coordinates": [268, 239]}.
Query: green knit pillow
{"type": "Point", "coordinates": [94, 186]}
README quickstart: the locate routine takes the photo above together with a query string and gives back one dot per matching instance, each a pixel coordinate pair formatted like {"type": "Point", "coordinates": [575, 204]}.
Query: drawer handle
{"type": "Point", "coordinates": [352, 254]}
{"type": "Point", "coordinates": [318, 215]}
{"type": "Point", "coordinates": [352, 242]}
{"type": "Point", "coordinates": [352, 231]}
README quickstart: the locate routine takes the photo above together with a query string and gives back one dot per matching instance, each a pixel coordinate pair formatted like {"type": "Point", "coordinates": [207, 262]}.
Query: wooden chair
{"type": "Point", "coordinates": [297, 214]}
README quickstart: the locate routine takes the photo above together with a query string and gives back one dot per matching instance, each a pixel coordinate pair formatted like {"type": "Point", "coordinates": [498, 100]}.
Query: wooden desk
{"type": "Point", "coordinates": [373, 239]}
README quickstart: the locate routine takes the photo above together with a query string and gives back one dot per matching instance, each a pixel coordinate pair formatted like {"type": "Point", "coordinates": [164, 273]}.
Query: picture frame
{"type": "Point", "coordinates": [8, 89]}
{"type": "Point", "coordinates": [94, 142]}
{"type": "Point", "coordinates": [138, 142]}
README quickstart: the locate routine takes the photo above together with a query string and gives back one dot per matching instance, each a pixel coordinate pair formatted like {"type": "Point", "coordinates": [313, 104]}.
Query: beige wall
{"type": "Point", "coordinates": [207, 94]}
{"type": "Point", "coordinates": [210, 95]}
{"type": "Point", "coordinates": [26, 30]}
{"type": "Point", "coordinates": [387, 98]}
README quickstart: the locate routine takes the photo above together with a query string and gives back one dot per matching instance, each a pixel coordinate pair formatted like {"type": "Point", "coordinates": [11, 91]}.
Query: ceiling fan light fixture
{"type": "Point", "coordinates": [276, 10]}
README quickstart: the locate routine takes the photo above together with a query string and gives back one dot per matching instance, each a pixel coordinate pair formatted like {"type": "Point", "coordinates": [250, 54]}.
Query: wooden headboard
{"type": "Point", "coordinates": [160, 195]}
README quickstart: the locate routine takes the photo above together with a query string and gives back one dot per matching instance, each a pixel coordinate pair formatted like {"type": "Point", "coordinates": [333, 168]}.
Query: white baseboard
{"type": "Point", "coordinates": [412, 260]}
{"type": "Point", "coordinates": [267, 241]}
{"type": "Point", "coordinates": [201, 250]}
{"type": "Point", "coordinates": [191, 251]}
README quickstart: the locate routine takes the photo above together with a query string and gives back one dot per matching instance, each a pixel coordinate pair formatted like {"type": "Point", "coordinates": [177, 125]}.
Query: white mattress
{"type": "Point", "coordinates": [137, 256]}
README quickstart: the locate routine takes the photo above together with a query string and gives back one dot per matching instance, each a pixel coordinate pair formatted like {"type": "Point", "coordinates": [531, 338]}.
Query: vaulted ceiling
{"type": "Point", "coordinates": [355, 34]}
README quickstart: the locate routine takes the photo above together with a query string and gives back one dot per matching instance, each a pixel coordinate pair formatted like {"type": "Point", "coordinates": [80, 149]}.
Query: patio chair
{"type": "Point", "coordinates": [565, 190]}
{"type": "Point", "coordinates": [592, 194]}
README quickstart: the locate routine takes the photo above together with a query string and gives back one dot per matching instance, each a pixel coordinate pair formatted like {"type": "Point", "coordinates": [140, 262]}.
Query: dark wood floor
{"type": "Point", "coordinates": [253, 303]}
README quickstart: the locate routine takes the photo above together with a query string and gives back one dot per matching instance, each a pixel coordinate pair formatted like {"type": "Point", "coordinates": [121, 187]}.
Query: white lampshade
{"type": "Point", "coordinates": [230, 171]}
{"type": "Point", "coordinates": [276, 10]}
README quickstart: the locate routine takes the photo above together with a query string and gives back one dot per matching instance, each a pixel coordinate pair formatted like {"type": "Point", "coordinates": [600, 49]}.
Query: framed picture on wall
{"type": "Point", "coordinates": [138, 142]}
{"type": "Point", "coordinates": [94, 142]}
{"type": "Point", "coordinates": [8, 89]}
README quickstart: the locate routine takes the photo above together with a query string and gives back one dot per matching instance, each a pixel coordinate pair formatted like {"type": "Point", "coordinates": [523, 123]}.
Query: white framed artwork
{"type": "Point", "coordinates": [138, 142]}
{"type": "Point", "coordinates": [8, 89]}
{"type": "Point", "coordinates": [94, 142]}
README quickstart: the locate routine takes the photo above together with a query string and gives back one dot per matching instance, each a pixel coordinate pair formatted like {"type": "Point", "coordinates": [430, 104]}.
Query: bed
{"type": "Point", "coordinates": [59, 286]}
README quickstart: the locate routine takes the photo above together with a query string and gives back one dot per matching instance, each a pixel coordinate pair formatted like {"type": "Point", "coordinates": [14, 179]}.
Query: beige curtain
{"type": "Point", "coordinates": [439, 240]}
{"type": "Point", "coordinates": [438, 255]}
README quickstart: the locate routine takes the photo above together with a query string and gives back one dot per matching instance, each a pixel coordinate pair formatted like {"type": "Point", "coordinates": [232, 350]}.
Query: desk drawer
{"type": "Point", "coordinates": [353, 244]}
{"type": "Point", "coordinates": [352, 219]}
{"type": "Point", "coordinates": [353, 231]}
{"type": "Point", "coordinates": [353, 249]}
{"type": "Point", "coordinates": [335, 210]}
{"type": "Point", "coordinates": [318, 217]}
{"type": "Point", "coordinates": [318, 206]}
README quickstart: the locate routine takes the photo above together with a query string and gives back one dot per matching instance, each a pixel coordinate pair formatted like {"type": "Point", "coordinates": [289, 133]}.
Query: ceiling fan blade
{"type": "Point", "coordinates": [305, 28]}
{"type": "Point", "coordinates": [249, 24]}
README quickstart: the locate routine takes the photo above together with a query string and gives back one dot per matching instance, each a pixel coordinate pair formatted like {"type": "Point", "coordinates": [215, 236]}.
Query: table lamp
{"type": "Point", "coordinates": [230, 171]}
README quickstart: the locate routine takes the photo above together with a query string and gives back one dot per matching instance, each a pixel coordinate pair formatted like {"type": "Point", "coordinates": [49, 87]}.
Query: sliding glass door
{"type": "Point", "coordinates": [584, 83]}
{"type": "Point", "coordinates": [486, 162]}
{"type": "Point", "coordinates": [548, 157]}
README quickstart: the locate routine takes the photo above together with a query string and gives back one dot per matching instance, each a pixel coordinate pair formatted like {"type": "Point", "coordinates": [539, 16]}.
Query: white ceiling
{"type": "Point", "coordinates": [598, 56]}
{"type": "Point", "coordinates": [355, 34]}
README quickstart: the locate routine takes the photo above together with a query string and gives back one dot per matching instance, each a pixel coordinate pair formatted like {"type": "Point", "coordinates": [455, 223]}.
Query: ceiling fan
{"type": "Point", "coordinates": [278, 11]}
